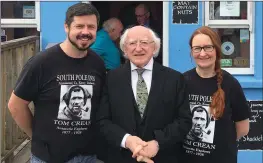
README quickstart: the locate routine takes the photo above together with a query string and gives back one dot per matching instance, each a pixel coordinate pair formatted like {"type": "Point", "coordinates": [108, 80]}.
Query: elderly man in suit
{"type": "Point", "coordinates": [144, 112]}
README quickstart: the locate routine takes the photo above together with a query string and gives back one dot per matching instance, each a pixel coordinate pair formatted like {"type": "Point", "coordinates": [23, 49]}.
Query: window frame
{"type": "Point", "coordinates": [248, 23]}
{"type": "Point", "coordinates": [24, 23]}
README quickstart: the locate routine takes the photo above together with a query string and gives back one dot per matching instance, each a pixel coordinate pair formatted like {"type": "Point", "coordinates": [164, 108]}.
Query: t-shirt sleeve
{"type": "Point", "coordinates": [241, 110]}
{"type": "Point", "coordinates": [27, 85]}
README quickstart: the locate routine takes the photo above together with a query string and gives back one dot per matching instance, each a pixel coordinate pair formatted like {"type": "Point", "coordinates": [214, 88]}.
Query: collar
{"type": "Point", "coordinates": [147, 24]}
{"type": "Point", "coordinates": [148, 66]}
{"type": "Point", "coordinates": [70, 115]}
{"type": "Point", "coordinates": [104, 32]}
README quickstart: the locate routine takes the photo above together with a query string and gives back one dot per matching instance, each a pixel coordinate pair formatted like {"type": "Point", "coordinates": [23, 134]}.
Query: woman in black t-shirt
{"type": "Point", "coordinates": [220, 114]}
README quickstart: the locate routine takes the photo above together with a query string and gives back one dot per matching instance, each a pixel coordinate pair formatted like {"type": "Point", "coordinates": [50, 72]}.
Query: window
{"type": "Point", "coordinates": [20, 14]}
{"type": "Point", "coordinates": [15, 33]}
{"type": "Point", "coordinates": [233, 20]}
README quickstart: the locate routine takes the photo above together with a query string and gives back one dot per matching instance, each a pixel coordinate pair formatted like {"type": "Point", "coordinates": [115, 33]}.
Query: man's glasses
{"type": "Point", "coordinates": [198, 49]}
{"type": "Point", "coordinates": [139, 16]}
{"type": "Point", "coordinates": [142, 44]}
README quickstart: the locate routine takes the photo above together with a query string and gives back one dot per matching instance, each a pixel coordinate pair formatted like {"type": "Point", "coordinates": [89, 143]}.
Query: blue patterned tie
{"type": "Point", "coordinates": [142, 93]}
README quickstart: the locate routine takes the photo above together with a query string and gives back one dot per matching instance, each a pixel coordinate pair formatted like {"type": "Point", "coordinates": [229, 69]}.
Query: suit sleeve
{"type": "Point", "coordinates": [175, 132]}
{"type": "Point", "coordinates": [112, 132]}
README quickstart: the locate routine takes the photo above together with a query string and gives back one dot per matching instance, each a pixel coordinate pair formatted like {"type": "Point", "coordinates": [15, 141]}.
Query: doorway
{"type": "Point", "coordinates": [125, 11]}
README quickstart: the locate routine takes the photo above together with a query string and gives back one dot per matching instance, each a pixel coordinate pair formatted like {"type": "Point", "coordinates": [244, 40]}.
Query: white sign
{"type": "Point", "coordinates": [229, 8]}
{"type": "Point", "coordinates": [28, 11]}
{"type": "Point", "coordinates": [244, 34]}
{"type": "Point", "coordinates": [227, 48]}
{"type": "Point", "coordinates": [2, 32]}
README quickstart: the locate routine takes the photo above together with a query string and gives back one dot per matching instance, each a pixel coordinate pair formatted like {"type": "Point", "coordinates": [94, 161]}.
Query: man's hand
{"type": "Point", "coordinates": [133, 142]}
{"type": "Point", "coordinates": [141, 158]}
{"type": "Point", "coordinates": [144, 159]}
{"type": "Point", "coordinates": [149, 151]}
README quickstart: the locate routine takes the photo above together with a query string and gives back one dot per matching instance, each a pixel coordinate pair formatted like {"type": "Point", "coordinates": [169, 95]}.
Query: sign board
{"type": "Point", "coordinates": [29, 12]}
{"type": "Point", "coordinates": [3, 38]}
{"type": "Point", "coordinates": [227, 48]}
{"type": "Point", "coordinates": [185, 12]}
{"type": "Point", "coordinates": [226, 62]}
{"type": "Point", "coordinates": [2, 32]}
{"type": "Point", "coordinates": [229, 8]}
{"type": "Point", "coordinates": [241, 62]}
{"type": "Point", "coordinates": [244, 35]}
{"type": "Point", "coordinates": [253, 141]}
{"type": "Point", "coordinates": [3, 35]}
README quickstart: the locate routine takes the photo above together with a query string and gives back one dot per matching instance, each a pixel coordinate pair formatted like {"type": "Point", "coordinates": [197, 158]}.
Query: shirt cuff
{"type": "Point", "coordinates": [124, 140]}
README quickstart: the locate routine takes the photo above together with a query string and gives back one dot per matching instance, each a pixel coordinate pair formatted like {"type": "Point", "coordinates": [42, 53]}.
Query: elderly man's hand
{"type": "Point", "coordinates": [144, 159]}
{"type": "Point", "coordinates": [149, 151]}
{"type": "Point", "coordinates": [133, 142]}
{"type": "Point", "coordinates": [141, 158]}
{"type": "Point", "coordinates": [136, 144]}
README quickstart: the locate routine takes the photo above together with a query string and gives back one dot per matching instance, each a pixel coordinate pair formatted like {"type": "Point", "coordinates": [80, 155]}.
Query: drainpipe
{"type": "Point", "coordinates": [0, 93]}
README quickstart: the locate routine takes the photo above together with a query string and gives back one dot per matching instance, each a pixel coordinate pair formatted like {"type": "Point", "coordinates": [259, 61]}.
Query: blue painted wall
{"type": "Point", "coordinates": [179, 59]}
{"type": "Point", "coordinates": [179, 51]}
{"type": "Point", "coordinates": [52, 18]}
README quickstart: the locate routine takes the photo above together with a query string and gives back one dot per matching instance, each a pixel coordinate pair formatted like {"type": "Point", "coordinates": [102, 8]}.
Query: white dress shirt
{"type": "Point", "coordinates": [147, 76]}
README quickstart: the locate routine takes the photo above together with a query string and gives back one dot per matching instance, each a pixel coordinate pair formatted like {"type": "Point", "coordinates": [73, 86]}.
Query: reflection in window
{"type": "Point", "coordinates": [235, 47]}
{"type": "Point", "coordinates": [18, 9]}
{"type": "Point", "coordinates": [222, 10]}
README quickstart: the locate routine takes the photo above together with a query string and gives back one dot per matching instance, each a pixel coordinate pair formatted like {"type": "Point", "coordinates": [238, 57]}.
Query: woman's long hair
{"type": "Point", "coordinates": [218, 99]}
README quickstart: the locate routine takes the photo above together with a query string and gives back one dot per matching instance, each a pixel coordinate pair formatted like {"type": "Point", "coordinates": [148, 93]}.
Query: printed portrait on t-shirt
{"type": "Point", "coordinates": [202, 125]}
{"type": "Point", "coordinates": [75, 102]}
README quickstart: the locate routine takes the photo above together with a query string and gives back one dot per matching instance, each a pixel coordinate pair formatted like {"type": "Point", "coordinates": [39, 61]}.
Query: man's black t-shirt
{"type": "Point", "coordinates": [66, 93]}
{"type": "Point", "coordinates": [211, 140]}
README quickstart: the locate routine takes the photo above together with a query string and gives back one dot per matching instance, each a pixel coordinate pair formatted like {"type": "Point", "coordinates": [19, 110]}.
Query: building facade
{"type": "Point", "coordinates": [238, 23]}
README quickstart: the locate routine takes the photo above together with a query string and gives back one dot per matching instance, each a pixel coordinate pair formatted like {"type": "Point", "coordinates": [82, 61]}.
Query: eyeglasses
{"type": "Point", "coordinates": [142, 44]}
{"type": "Point", "coordinates": [139, 16]}
{"type": "Point", "coordinates": [198, 49]}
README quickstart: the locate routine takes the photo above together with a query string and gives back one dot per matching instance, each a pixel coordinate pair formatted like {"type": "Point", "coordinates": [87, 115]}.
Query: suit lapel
{"type": "Point", "coordinates": [130, 100]}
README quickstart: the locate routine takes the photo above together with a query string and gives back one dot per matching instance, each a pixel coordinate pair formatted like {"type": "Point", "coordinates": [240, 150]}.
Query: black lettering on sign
{"type": "Point", "coordinates": [241, 62]}
{"type": "Point", "coordinates": [185, 12]}
{"type": "Point", "coordinates": [253, 140]}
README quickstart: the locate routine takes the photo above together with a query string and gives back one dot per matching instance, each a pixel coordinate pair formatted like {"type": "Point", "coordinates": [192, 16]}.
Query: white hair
{"type": "Point", "coordinates": [156, 40]}
{"type": "Point", "coordinates": [110, 24]}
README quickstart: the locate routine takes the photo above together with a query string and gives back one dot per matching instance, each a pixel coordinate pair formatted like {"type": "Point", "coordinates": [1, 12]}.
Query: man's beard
{"type": "Point", "coordinates": [90, 37]}
{"type": "Point", "coordinates": [75, 114]}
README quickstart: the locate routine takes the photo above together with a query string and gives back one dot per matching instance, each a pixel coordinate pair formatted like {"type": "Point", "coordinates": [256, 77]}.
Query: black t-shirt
{"type": "Point", "coordinates": [66, 93]}
{"type": "Point", "coordinates": [211, 140]}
